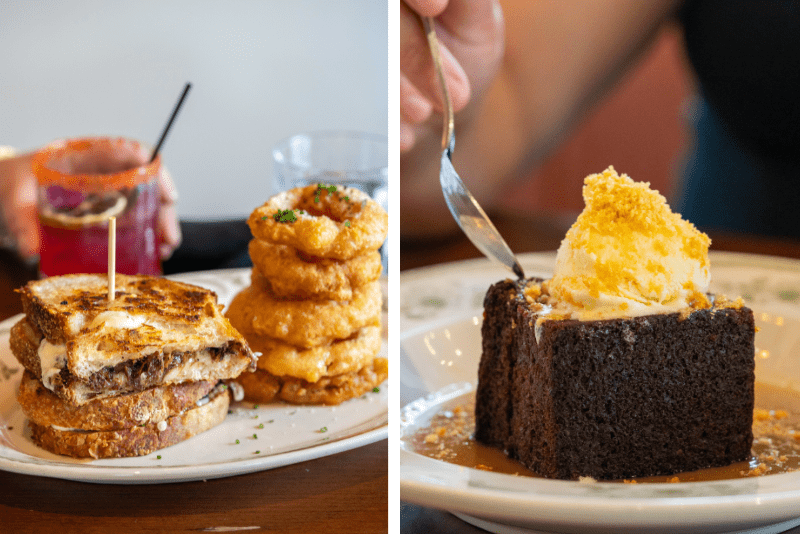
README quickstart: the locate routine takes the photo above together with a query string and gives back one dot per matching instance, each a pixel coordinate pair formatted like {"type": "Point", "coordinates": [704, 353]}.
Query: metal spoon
{"type": "Point", "coordinates": [465, 209]}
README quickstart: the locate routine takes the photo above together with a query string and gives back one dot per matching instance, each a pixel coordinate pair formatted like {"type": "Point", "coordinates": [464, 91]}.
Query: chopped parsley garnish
{"type": "Point", "coordinates": [284, 216]}
{"type": "Point", "coordinates": [255, 436]}
{"type": "Point", "coordinates": [158, 457]}
{"type": "Point", "coordinates": [258, 452]}
{"type": "Point", "coordinates": [331, 189]}
{"type": "Point", "coordinates": [376, 389]}
{"type": "Point", "coordinates": [261, 425]}
{"type": "Point", "coordinates": [323, 430]}
{"type": "Point", "coordinates": [347, 224]}
{"type": "Point", "coordinates": [237, 441]}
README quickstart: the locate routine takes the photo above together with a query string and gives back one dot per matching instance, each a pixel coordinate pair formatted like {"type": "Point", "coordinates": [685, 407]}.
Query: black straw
{"type": "Point", "coordinates": [171, 120]}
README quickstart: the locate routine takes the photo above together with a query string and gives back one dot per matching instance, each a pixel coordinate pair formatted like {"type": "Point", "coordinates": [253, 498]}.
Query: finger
{"type": "Point", "coordinates": [27, 232]}
{"type": "Point", "coordinates": [414, 107]}
{"type": "Point", "coordinates": [427, 8]}
{"type": "Point", "coordinates": [417, 66]}
{"type": "Point", "coordinates": [407, 137]}
{"type": "Point", "coordinates": [168, 193]}
{"type": "Point", "coordinates": [22, 215]}
{"type": "Point", "coordinates": [474, 32]}
{"type": "Point", "coordinates": [457, 82]}
{"type": "Point", "coordinates": [473, 22]}
{"type": "Point", "coordinates": [169, 230]}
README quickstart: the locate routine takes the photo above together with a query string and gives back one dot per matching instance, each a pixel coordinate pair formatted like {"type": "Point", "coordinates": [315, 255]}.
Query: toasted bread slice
{"type": "Point", "coordinates": [148, 314]}
{"type": "Point", "coordinates": [153, 405]}
{"type": "Point", "coordinates": [156, 331]}
{"type": "Point", "coordinates": [135, 440]}
{"type": "Point", "coordinates": [24, 340]}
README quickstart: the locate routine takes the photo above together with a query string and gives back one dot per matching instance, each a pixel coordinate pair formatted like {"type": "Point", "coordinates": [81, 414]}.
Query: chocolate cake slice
{"type": "Point", "coordinates": [616, 398]}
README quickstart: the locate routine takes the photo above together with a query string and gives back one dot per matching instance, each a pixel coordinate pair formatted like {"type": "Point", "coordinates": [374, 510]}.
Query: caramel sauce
{"type": "Point", "coordinates": [776, 441]}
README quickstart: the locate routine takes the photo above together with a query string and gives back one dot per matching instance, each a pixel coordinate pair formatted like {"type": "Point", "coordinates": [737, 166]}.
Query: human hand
{"type": "Point", "coordinates": [471, 40]}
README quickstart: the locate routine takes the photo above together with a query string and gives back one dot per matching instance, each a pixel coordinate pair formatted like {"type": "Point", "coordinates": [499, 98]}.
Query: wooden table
{"type": "Point", "coordinates": [346, 492]}
{"type": "Point", "coordinates": [528, 233]}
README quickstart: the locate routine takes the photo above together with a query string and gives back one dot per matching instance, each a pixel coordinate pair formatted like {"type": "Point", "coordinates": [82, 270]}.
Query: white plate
{"type": "Point", "coordinates": [290, 434]}
{"type": "Point", "coordinates": [440, 347]}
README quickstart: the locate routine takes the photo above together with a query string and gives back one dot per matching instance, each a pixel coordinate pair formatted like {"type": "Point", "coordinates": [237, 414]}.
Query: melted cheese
{"type": "Point", "coordinates": [53, 358]}
{"type": "Point", "coordinates": [196, 368]}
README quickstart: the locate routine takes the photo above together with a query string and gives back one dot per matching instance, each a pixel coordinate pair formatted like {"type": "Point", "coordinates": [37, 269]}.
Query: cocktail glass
{"type": "Point", "coordinates": [81, 183]}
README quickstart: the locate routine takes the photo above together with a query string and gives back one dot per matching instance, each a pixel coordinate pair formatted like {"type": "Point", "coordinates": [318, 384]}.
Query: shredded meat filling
{"type": "Point", "coordinates": [137, 375]}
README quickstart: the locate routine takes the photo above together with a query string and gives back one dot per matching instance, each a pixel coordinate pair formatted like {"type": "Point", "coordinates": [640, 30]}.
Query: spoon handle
{"type": "Point", "coordinates": [465, 209]}
{"type": "Point", "coordinates": [448, 135]}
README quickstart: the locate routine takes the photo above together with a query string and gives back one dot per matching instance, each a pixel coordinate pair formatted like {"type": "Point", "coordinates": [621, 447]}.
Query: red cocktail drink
{"type": "Point", "coordinates": [82, 183]}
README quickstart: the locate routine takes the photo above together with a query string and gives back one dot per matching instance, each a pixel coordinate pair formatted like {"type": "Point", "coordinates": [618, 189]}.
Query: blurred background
{"type": "Point", "coordinates": [646, 126]}
{"type": "Point", "coordinates": [260, 72]}
{"type": "Point", "coordinates": [643, 127]}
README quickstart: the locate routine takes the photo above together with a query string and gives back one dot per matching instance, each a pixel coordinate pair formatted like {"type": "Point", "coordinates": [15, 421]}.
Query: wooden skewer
{"type": "Point", "coordinates": [112, 256]}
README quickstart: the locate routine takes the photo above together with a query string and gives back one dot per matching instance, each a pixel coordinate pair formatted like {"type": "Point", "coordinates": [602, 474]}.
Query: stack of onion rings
{"type": "Point", "coordinates": [313, 307]}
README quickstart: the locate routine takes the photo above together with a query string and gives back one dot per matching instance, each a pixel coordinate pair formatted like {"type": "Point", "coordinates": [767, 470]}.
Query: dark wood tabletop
{"type": "Point", "coordinates": [345, 492]}
{"type": "Point", "coordinates": [534, 233]}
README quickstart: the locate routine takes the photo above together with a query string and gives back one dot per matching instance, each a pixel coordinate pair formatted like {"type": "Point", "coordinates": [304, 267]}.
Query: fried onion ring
{"type": "Point", "coordinates": [262, 386]}
{"type": "Point", "coordinates": [294, 274]}
{"type": "Point", "coordinates": [338, 225]}
{"type": "Point", "coordinates": [304, 323]}
{"type": "Point", "coordinates": [345, 356]}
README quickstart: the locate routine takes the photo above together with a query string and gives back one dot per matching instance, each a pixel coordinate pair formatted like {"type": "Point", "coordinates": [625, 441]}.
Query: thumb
{"type": "Point", "coordinates": [474, 32]}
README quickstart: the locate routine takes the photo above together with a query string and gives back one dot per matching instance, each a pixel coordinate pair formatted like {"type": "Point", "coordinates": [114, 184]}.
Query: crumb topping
{"type": "Point", "coordinates": [629, 254]}
{"type": "Point", "coordinates": [618, 206]}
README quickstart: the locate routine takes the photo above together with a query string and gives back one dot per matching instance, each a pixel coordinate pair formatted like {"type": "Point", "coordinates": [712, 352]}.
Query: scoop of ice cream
{"type": "Point", "coordinates": [628, 254]}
